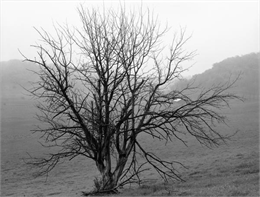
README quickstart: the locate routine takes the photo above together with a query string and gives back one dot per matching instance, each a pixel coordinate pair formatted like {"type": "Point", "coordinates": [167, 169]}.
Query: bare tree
{"type": "Point", "coordinates": [96, 106]}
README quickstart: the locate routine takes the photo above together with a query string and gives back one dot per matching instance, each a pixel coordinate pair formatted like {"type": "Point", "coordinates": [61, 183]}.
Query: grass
{"type": "Point", "coordinates": [229, 170]}
{"type": "Point", "coordinates": [235, 177]}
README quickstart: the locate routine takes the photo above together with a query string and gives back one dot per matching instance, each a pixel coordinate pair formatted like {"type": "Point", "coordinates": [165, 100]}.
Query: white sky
{"type": "Point", "coordinates": [220, 29]}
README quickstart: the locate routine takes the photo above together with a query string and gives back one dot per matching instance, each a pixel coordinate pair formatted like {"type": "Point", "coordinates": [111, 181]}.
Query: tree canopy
{"type": "Point", "coordinates": [104, 84]}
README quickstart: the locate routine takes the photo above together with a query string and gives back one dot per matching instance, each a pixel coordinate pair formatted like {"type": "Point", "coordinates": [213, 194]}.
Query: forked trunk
{"type": "Point", "coordinates": [109, 181]}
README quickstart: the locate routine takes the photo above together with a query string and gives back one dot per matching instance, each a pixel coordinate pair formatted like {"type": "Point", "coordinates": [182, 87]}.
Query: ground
{"type": "Point", "coordinates": [231, 169]}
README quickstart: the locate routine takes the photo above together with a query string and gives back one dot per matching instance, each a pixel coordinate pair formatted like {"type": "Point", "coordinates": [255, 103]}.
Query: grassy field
{"type": "Point", "coordinates": [229, 170]}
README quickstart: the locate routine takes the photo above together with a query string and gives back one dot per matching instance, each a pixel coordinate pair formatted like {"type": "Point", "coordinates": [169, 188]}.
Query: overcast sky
{"type": "Point", "coordinates": [219, 29]}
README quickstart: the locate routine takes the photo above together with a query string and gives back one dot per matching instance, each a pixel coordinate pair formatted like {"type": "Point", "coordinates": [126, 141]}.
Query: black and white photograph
{"type": "Point", "coordinates": [129, 98]}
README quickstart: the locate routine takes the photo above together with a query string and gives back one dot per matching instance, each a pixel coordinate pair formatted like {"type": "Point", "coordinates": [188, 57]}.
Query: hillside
{"type": "Point", "coordinates": [246, 67]}
{"type": "Point", "coordinates": [15, 75]}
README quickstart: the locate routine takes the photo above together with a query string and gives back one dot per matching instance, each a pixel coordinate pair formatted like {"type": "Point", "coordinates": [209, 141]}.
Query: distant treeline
{"type": "Point", "coordinates": [245, 67]}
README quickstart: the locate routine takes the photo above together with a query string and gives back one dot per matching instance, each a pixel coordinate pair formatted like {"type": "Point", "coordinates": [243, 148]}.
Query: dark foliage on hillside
{"type": "Point", "coordinates": [246, 67]}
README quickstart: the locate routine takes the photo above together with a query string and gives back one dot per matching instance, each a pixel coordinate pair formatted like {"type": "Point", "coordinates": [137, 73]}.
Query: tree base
{"type": "Point", "coordinates": [101, 192]}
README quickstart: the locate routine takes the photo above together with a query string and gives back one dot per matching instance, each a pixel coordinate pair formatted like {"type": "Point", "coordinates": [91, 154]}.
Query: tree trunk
{"type": "Point", "coordinates": [119, 168]}
{"type": "Point", "coordinates": [109, 181]}
{"type": "Point", "coordinates": [106, 183]}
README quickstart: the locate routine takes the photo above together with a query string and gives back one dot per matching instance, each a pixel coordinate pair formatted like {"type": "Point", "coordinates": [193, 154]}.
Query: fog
{"type": "Point", "coordinates": [219, 29]}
